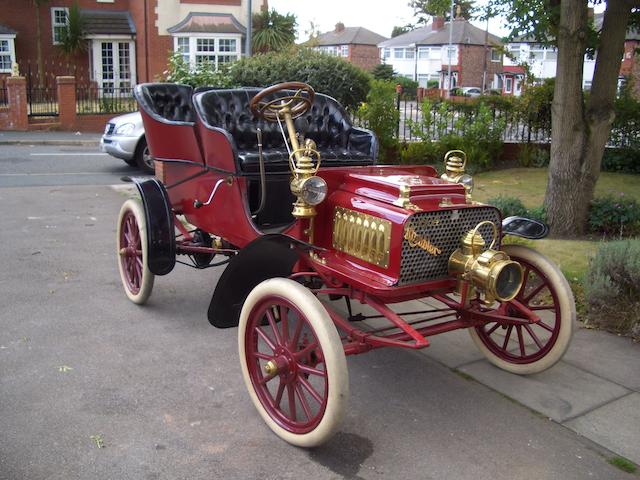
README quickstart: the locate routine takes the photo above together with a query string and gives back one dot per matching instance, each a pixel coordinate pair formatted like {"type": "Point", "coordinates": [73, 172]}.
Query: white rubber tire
{"type": "Point", "coordinates": [334, 358]}
{"type": "Point", "coordinates": [567, 315]}
{"type": "Point", "coordinates": [134, 205]}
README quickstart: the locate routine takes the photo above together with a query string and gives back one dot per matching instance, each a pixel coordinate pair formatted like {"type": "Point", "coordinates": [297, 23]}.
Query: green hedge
{"type": "Point", "coordinates": [325, 73]}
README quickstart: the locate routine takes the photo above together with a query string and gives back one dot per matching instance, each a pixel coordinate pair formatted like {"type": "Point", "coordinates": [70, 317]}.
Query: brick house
{"type": "Point", "coordinates": [542, 59]}
{"type": "Point", "coordinates": [128, 41]}
{"type": "Point", "coordinates": [422, 55]}
{"type": "Point", "coordinates": [356, 45]}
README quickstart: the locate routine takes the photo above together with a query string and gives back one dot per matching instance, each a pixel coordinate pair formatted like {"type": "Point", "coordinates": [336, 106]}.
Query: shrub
{"type": "Point", "coordinates": [532, 155]}
{"type": "Point", "coordinates": [509, 206]}
{"type": "Point", "coordinates": [419, 153]}
{"type": "Point", "coordinates": [481, 138]}
{"type": "Point", "coordinates": [204, 75]}
{"type": "Point", "coordinates": [433, 84]}
{"type": "Point", "coordinates": [381, 115]}
{"type": "Point", "coordinates": [326, 74]}
{"type": "Point", "coordinates": [383, 71]}
{"type": "Point", "coordinates": [623, 160]}
{"type": "Point", "coordinates": [614, 216]}
{"type": "Point", "coordinates": [537, 213]}
{"type": "Point", "coordinates": [612, 287]}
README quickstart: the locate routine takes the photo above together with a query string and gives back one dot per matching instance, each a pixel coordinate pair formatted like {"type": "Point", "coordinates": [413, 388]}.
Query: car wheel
{"type": "Point", "coordinates": [132, 162]}
{"type": "Point", "coordinates": [143, 157]}
{"type": "Point", "coordinates": [293, 362]}
{"type": "Point", "coordinates": [132, 252]}
{"type": "Point", "coordinates": [531, 348]}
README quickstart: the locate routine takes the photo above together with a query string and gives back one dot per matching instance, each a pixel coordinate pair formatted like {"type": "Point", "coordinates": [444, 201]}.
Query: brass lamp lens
{"type": "Point", "coordinates": [508, 281]}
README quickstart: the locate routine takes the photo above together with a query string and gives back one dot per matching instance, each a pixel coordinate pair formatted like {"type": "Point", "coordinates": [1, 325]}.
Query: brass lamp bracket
{"type": "Point", "coordinates": [454, 165]}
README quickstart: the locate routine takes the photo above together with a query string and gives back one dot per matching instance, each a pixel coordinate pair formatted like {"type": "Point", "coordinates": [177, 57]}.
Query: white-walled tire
{"type": "Point", "coordinates": [131, 249]}
{"type": "Point", "coordinates": [285, 330]}
{"type": "Point", "coordinates": [532, 348]}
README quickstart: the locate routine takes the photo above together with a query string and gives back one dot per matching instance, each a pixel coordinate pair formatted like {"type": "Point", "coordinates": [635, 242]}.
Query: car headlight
{"type": "Point", "coordinates": [313, 190]}
{"type": "Point", "coordinates": [125, 129]}
{"type": "Point", "coordinates": [467, 181]}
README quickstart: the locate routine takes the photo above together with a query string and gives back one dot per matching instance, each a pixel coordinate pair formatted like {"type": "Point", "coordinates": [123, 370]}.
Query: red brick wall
{"type": "Point", "coordinates": [364, 56]}
{"type": "Point", "coordinates": [628, 59]}
{"type": "Point", "coordinates": [20, 16]}
{"type": "Point", "coordinates": [152, 50]}
{"type": "Point", "coordinates": [14, 116]}
{"type": "Point", "coordinates": [471, 66]}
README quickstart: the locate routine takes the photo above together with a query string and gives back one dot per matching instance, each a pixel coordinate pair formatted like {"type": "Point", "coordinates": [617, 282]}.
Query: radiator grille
{"type": "Point", "coordinates": [443, 229]}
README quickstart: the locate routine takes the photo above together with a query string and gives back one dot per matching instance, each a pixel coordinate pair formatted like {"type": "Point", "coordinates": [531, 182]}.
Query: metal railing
{"type": "Point", "coordinates": [42, 101]}
{"type": "Point", "coordinates": [92, 100]}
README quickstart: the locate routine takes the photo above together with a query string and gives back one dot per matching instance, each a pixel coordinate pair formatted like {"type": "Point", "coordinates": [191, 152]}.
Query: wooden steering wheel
{"type": "Point", "coordinates": [298, 103]}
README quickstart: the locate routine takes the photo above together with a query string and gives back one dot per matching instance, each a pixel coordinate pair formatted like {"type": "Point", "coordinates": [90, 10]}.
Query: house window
{"type": "Point", "coordinates": [551, 55]}
{"type": "Point", "coordinates": [7, 54]}
{"type": "Point", "coordinates": [386, 53]}
{"type": "Point", "coordinates": [59, 20]}
{"type": "Point", "coordinates": [398, 53]}
{"type": "Point", "coordinates": [536, 55]}
{"type": "Point", "coordinates": [496, 56]}
{"type": "Point", "coordinates": [182, 46]}
{"type": "Point", "coordinates": [409, 53]}
{"type": "Point", "coordinates": [211, 49]}
{"type": "Point", "coordinates": [344, 50]}
{"type": "Point", "coordinates": [515, 52]}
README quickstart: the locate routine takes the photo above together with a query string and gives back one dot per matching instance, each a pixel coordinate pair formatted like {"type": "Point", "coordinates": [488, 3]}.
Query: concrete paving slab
{"type": "Point", "coordinates": [561, 393]}
{"type": "Point", "coordinates": [608, 356]}
{"type": "Point", "coordinates": [615, 426]}
{"type": "Point", "coordinates": [453, 349]}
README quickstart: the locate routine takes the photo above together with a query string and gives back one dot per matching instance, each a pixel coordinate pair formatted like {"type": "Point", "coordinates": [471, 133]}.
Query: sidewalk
{"type": "Point", "coordinates": [49, 138]}
{"type": "Point", "coordinates": [594, 390]}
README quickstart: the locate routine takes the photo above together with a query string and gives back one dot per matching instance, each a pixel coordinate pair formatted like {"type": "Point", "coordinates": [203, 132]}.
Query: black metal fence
{"type": "Point", "coordinates": [4, 98]}
{"type": "Point", "coordinates": [444, 118]}
{"type": "Point", "coordinates": [42, 101]}
{"type": "Point", "coordinates": [92, 100]}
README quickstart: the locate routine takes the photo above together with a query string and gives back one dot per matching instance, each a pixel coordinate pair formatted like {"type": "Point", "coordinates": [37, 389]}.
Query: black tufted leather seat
{"type": "Point", "coordinates": [339, 143]}
{"type": "Point", "coordinates": [168, 101]}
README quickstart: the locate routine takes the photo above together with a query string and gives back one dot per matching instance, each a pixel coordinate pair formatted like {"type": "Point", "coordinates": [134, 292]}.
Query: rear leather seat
{"type": "Point", "coordinates": [339, 143]}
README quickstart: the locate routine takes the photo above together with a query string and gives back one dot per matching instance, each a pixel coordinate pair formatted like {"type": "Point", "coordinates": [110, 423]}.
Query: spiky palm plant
{"type": "Point", "coordinates": [272, 31]}
{"type": "Point", "coordinates": [72, 39]}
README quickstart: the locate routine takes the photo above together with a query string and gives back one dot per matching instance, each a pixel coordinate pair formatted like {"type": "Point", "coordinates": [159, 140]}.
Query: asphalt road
{"type": "Point", "coordinates": [162, 389]}
{"type": "Point", "coordinates": [50, 165]}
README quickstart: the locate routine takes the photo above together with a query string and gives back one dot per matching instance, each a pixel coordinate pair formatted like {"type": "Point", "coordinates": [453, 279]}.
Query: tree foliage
{"type": "Point", "coordinates": [425, 9]}
{"type": "Point", "coordinates": [273, 32]}
{"type": "Point", "coordinates": [383, 71]}
{"type": "Point", "coordinates": [399, 30]}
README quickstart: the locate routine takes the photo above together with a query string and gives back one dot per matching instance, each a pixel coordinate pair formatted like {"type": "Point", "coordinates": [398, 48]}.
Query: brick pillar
{"type": "Point", "coordinates": [17, 102]}
{"type": "Point", "coordinates": [66, 102]}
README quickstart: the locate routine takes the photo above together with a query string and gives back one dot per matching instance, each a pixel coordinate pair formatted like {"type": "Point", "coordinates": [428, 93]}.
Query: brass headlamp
{"type": "Point", "coordinates": [491, 272]}
{"type": "Point", "coordinates": [454, 171]}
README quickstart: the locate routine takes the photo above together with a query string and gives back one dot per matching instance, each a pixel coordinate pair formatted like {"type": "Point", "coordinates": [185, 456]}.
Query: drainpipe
{"type": "Point", "coordinates": [247, 48]}
{"type": "Point", "coordinates": [449, 49]}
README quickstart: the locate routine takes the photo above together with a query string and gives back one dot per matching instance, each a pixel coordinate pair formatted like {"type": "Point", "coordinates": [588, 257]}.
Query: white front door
{"type": "Point", "coordinates": [114, 65]}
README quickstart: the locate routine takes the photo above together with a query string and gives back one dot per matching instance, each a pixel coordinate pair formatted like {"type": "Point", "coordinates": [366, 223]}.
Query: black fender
{"type": "Point", "coordinates": [525, 228]}
{"type": "Point", "coordinates": [161, 239]}
{"type": "Point", "coordinates": [268, 256]}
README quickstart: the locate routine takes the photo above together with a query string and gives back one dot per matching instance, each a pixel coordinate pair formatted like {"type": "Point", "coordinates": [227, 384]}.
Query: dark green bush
{"type": "Point", "coordinates": [383, 71]}
{"type": "Point", "coordinates": [509, 206]}
{"type": "Point", "coordinates": [533, 155]}
{"type": "Point", "coordinates": [419, 153]}
{"type": "Point", "coordinates": [537, 213]}
{"type": "Point", "coordinates": [623, 160]}
{"type": "Point", "coordinates": [433, 84]}
{"type": "Point", "coordinates": [612, 287]}
{"type": "Point", "coordinates": [380, 114]}
{"type": "Point", "coordinates": [204, 75]}
{"type": "Point", "coordinates": [326, 74]}
{"type": "Point", "coordinates": [614, 216]}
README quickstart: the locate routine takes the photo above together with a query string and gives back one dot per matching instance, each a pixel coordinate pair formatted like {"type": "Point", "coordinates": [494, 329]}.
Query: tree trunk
{"type": "Point", "coordinates": [579, 134]}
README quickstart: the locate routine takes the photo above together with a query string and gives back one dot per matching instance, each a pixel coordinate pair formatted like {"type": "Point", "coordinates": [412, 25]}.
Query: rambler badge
{"type": "Point", "coordinates": [415, 240]}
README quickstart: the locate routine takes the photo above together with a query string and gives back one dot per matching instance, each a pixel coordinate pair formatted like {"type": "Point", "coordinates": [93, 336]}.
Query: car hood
{"type": "Point", "coordinates": [133, 117]}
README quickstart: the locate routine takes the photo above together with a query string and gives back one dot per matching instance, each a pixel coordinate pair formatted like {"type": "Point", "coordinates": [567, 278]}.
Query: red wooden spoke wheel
{"type": "Point", "coordinates": [136, 278]}
{"type": "Point", "coordinates": [531, 348]}
{"type": "Point", "coordinates": [293, 362]}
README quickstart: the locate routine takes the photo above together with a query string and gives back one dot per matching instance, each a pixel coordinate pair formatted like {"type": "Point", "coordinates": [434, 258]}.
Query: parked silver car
{"type": "Point", "coordinates": [124, 138]}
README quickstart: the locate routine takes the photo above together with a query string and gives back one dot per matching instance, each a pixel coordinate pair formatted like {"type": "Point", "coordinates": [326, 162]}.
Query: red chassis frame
{"type": "Point", "coordinates": [468, 312]}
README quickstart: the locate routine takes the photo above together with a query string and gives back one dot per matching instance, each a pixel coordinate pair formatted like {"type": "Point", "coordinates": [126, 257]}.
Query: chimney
{"type": "Point", "coordinates": [437, 23]}
{"type": "Point", "coordinates": [339, 27]}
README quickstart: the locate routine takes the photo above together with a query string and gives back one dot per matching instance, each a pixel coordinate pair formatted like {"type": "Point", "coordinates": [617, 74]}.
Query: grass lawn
{"type": "Point", "coordinates": [529, 184]}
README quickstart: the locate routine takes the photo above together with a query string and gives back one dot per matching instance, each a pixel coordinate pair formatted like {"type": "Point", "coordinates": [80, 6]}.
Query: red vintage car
{"type": "Point", "coordinates": [281, 187]}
